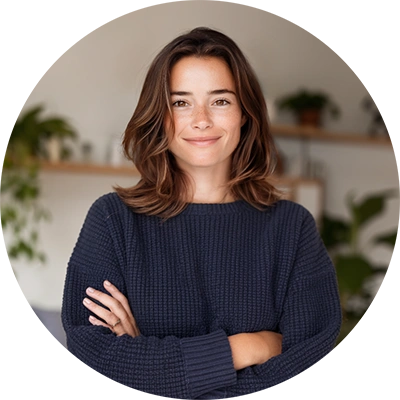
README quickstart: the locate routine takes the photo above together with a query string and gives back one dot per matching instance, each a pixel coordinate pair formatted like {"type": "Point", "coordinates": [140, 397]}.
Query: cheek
{"type": "Point", "coordinates": [174, 125]}
{"type": "Point", "coordinates": [233, 120]}
{"type": "Point", "coordinates": [235, 136]}
{"type": "Point", "coordinates": [235, 127]}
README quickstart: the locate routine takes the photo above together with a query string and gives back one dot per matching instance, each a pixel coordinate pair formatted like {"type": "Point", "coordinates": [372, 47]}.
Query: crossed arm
{"type": "Point", "coordinates": [309, 324]}
{"type": "Point", "coordinates": [247, 348]}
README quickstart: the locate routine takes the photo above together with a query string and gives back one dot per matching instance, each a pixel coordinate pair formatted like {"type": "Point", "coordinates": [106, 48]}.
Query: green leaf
{"type": "Point", "coordinates": [7, 163]}
{"type": "Point", "coordinates": [30, 129]}
{"type": "Point", "coordinates": [30, 116]}
{"type": "Point", "coordinates": [8, 215]}
{"type": "Point", "coordinates": [352, 270]}
{"type": "Point", "coordinates": [305, 99]}
{"type": "Point", "coordinates": [56, 127]}
{"type": "Point", "coordinates": [21, 247]}
{"type": "Point", "coordinates": [34, 237]}
{"type": "Point", "coordinates": [334, 231]}
{"type": "Point", "coordinates": [387, 238]}
{"type": "Point", "coordinates": [370, 207]}
{"type": "Point", "coordinates": [379, 268]}
{"type": "Point", "coordinates": [26, 191]}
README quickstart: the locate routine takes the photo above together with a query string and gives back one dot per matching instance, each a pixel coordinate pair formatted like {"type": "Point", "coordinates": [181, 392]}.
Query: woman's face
{"type": "Point", "coordinates": [206, 114]}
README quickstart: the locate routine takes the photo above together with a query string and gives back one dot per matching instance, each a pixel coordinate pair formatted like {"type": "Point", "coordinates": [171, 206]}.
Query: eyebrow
{"type": "Point", "coordinates": [212, 92]}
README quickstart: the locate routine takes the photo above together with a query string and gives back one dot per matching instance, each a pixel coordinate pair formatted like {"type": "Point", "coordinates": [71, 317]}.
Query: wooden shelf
{"type": "Point", "coordinates": [299, 132]}
{"type": "Point", "coordinates": [103, 169]}
{"type": "Point", "coordinates": [278, 131]}
{"type": "Point", "coordinates": [80, 168]}
{"type": "Point", "coordinates": [289, 185]}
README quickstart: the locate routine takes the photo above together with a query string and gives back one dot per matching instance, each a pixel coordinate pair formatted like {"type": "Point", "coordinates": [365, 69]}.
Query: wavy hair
{"type": "Point", "coordinates": [163, 185]}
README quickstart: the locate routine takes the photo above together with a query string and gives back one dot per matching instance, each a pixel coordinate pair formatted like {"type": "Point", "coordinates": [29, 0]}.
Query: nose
{"type": "Point", "coordinates": [201, 118]}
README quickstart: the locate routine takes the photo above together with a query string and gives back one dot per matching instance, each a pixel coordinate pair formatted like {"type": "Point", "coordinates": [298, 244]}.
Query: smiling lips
{"type": "Point", "coordinates": [202, 141]}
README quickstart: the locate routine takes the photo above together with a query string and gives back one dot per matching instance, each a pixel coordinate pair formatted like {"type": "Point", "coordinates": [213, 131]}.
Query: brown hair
{"type": "Point", "coordinates": [159, 191]}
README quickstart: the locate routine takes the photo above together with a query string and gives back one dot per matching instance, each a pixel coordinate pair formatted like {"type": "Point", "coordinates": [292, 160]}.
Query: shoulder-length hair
{"type": "Point", "coordinates": [163, 186]}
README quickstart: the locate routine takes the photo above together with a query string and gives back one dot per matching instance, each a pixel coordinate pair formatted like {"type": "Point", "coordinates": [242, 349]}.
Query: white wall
{"type": "Point", "coordinates": [96, 84]}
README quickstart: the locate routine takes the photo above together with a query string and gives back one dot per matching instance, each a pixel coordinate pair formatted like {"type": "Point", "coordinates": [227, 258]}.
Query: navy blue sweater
{"type": "Point", "coordinates": [212, 271]}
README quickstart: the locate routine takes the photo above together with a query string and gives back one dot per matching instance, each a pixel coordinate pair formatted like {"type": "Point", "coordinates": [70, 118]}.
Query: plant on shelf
{"type": "Point", "coordinates": [32, 133]}
{"type": "Point", "coordinates": [355, 271]}
{"type": "Point", "coordinates": [308, 106]}
{"type": "Point", "coordinates": [21, 210]}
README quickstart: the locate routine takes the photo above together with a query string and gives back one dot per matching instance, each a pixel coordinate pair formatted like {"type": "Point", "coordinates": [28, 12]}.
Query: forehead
{"type": "Point", "coordinates": [201, 71]}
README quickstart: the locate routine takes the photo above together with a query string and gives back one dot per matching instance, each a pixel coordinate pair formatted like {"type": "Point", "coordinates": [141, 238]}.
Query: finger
{"type": "Point", "coordinates": [97, 322]}
{"type": "Point", "coordinates": [101, 312]}
{"type": "Point", "coordinates": [113, 304]}
{"type": "Point", "coordinates": [112, 289]}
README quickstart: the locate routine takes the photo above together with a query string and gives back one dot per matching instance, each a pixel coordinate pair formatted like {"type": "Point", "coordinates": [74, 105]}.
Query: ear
{"type": "Point", "coordinates": [244, 120]}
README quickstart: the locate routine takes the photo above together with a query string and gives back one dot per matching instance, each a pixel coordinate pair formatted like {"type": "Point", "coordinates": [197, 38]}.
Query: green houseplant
{"type": "Point", "coordinates": [308, 106]}
{"type": "Point", "coordinates": [21, 210]}
{"type": "Point", "coordinates": [31, 132]}
{"type": "Point", "coordinates": [354, 269]}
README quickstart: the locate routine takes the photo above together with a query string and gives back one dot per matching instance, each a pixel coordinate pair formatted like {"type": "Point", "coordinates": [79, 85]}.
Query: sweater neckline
{"type": "Point", "coordinates": [217, 208]}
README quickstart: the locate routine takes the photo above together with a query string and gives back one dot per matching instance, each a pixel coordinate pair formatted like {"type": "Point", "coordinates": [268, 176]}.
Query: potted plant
{"type": "Point", "coordinates": [308, 106]}
{"type": "Point", "coordinates": [32, 133]}
{"type": "Point", "coordinates": [20, 188]}
{"type": "Point", "coordinates": [354, 269]}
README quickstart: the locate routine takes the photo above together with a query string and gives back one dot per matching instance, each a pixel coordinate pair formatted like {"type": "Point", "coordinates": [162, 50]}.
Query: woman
{"type": "Point", "coordinates": [199, 282]}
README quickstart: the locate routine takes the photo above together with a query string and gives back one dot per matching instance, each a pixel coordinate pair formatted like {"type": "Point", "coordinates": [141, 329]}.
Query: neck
{"type": "Point", "coordinates": [207, 185]}
{"type": "Point", "coordinates": [208, 194]}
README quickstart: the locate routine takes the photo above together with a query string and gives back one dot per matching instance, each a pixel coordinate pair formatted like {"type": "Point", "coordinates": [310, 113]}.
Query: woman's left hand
{"type": "Point", "coordinates": [119, 318]}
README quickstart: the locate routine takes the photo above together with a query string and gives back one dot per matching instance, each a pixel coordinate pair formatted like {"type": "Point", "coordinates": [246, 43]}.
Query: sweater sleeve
{"type": "Point", "coordinates": [170, 366]}
{"type": "Point", "coordinates": [311, 318]}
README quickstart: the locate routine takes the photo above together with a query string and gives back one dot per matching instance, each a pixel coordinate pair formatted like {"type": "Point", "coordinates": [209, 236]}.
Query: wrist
{"type": "Point", "coordinates": [259, 348]}
{"type": "Point", "coordinates": [243, 350]}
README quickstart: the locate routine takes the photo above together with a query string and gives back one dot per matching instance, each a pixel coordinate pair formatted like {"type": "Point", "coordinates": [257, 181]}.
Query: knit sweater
{"type": "Point", "coordinates": [213, 271]}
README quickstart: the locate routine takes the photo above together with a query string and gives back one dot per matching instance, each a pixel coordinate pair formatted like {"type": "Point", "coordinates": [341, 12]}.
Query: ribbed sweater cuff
{"type": "Point", "coordinates": [209, 363]}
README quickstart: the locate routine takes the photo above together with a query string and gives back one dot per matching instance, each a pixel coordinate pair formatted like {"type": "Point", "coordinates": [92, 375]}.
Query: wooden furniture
{"type": "Point", "coordinates": [316, 134]}
{"type": "Point", "coordinates": [308, 192]}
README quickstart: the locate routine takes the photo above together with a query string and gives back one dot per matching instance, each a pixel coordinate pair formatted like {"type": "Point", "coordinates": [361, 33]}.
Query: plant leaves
{"type": "Point", "coordinates": [370, 207]}
{"type": "Point", "coordinates": [21, 247]}
{"type": "Point", "coordinates": [334, 231]}
{"type": "Point", "coordinates": [20, 185]}
{"type": "Point", "coordinates": [387, 238]}
{"type": "Point", "coordinates": [352, 270]}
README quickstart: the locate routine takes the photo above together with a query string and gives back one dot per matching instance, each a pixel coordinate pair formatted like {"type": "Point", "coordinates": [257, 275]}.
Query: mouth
{"type": "Point", "coordinates": [202, 141]}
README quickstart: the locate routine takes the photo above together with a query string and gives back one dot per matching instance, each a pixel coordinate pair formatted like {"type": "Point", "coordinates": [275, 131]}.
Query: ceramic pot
{"type": "Point", "coordinates": [53, 149]}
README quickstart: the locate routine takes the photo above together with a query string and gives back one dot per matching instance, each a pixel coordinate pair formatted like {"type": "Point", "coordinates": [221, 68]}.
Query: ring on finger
{"type": "Point", "coordinates": [116, 323]}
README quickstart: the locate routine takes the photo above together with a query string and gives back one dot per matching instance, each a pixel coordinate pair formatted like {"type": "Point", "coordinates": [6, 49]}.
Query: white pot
{"type": "Point", "coordinates": [53, 147]}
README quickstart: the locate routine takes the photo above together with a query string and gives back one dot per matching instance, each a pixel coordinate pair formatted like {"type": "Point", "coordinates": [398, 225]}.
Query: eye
{"type": "Point", "coordinates": [179, 103]}
{"type": "Point", "coordinates": [221, 102]}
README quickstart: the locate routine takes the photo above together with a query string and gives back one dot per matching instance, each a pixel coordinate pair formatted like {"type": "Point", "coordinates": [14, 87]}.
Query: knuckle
{"type": "Point", "coordinates": [121, 298]}
{"type": "Point", "coordinates": [116, 305]}
{"type": "Point", "coordinates": [125, 304]}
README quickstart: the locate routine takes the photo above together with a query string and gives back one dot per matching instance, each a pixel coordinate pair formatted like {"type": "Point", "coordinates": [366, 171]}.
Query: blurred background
{"type": "Point", "coordinates": [336, 157]}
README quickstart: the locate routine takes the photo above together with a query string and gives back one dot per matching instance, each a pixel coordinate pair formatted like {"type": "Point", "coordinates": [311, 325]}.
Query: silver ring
{"type": "Point", "coordinates": [118, 322]}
